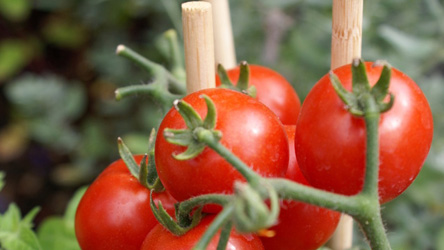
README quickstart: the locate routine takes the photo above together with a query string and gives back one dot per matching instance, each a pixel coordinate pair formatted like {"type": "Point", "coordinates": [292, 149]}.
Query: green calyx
{"type": "Point", "coordinates": [242, 82]}
{"type": "Point", "coordinates": [189, 137]}
{"type": "Point", "coordinates": [146, 172]}
{"type": "Point", "coordinates": [364, 98]}
{"type": "Point", "coordinates": [179, 227]}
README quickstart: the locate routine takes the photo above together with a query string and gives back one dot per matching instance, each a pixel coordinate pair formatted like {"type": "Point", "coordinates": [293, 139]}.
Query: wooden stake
{"type": "Point", "coordinates": [199, 45]}
{"type": "Point", "coordinates": [345, 45]}
{"type": "Point", "coordinates": [225, 53]}
{"type": "Point", "coordinates": [346, 39]}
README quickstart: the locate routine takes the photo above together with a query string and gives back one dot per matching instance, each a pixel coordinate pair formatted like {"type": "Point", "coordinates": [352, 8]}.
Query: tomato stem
{"type": "Point", "coordinates": [185, 207]}
{"type": "Point", "coordinates": [207, 137]}
{"type": "Point", "coordinates": [221, 219]}
{"type": "Point", "coordinates": [154, 69]}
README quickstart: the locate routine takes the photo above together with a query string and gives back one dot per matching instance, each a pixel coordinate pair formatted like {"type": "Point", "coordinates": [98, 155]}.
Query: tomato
{"type": "Point", "coordinates": [273, 90]}
{"type": "Point", "coordinates": [330, 142]}
{"type": "Point", "coordinates": [249, 129]}
{"type": "Point", "coordinates": [301, 226]}
{"type": "Point", "coordinates": [115, 211]}
{"type": "Point", "coordinates": [160, 238]}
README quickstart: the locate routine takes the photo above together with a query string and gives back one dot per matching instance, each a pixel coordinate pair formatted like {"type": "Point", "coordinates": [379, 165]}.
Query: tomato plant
{"type": "Point", "coordinates": [250, 130]}
{"type": "Point", "coordinates": [115, 211]}
{"type": "Point", "coordinates": [300, 226]}
{"type": "Point", "coordinates": [273, 90]}
{"type": "Point", "coordinates": [161, 238]}
{"type": "Point", "coordinates": [331, 145]}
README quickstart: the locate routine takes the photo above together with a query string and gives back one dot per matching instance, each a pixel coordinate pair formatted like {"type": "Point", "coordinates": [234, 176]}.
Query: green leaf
{"type": "Point", "coordinates": [65, 33]}
{"type": "Point", "coordinates": [2, 180]}
{"type": "Point", "coordinates": [58, 232]}
{"type": "Point", "coordinates": [15, 10]}
{"type": "Point", "coordinates": [16, 233]}
{"type": "Point", "coordinates": [55, 233]}
{"type": "Point", "coordinates": [14, 55]}
{"type": "Point", "coordinates": [407, 44]}
{"type": "Point", "coordinates": [440, 240]}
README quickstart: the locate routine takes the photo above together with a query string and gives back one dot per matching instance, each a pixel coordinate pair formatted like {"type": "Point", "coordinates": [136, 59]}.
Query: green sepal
{"type": "Point", "coordinates": [243, 81]}
{"type": "Point", "coordinates": [128, 158]}
{"type": "Point", "coordinates": [385, 106]}
{"type": "Point", "coordinates": [191, 117]}
{"type": "Point", "coordinates": [359, 77]}
{"type": "Point", "coordinates": [152, 178]}
{"type": "Point", "coordinates": [356, 100]}
{"type": "Point", "coordinates": [347, 97]}
{"type": "Point", "coordinates": [188, 137]}
{"type": "Point", "coordinates": [169, 223]}
{"type": "Point", "coordinates": [244, 77]}
{"type": "Point", "coordinates": [181, 137]}
{"type": "Point", "coordinates": [380, 89]}
{"type": "Point", "coordinates": [143, 172]}
{"type": "Point", "coordinates": [210, 118]}
{"type": "Point", "coordinates": [193, 150]}
{"type": "Point", "coordinates": [224, 79]}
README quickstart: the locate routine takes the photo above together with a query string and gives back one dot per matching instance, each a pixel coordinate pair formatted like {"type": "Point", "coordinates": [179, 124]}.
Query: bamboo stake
{"type": "Point", "coordinates": [225, 53]}
{"type": "Point", "coordinates": [346, 31]}
{"type": "Point", "coordinates": [199, 45]}
{"type": "Point", "coordinates": [345, 45]}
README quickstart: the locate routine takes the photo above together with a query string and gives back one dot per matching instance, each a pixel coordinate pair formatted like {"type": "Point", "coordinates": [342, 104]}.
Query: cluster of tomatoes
{"type": "Point", "coordinates": [267, 133]}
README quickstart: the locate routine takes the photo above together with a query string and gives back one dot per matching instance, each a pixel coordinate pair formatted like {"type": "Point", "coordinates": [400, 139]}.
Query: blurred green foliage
{"type": "Point", "coordinates": [58, 72]}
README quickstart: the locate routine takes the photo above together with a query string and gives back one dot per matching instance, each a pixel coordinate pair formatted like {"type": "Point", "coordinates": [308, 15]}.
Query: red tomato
{"type": "Point", "coordinates": [115, 211]}
{"type": "Point", "coordinates": [161, 238]}
{"type": "Point", "coordinates": [249, 129]}
{"type": "Point", "coordinates": [301, 226]}
{"type": "Point", "coordinates": [273, 90]}
{"type": "Point", "coordinates": [330, 142]}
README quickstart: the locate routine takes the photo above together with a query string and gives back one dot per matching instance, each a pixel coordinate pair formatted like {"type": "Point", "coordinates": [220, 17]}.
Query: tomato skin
{"type": "Point", "coordinates": [115, 211]}
{"type": "Point", "coordinates": [160, 238]}
{"type": "Point", "coordinates": [249, 129]}
{"type": "Point", "coordinates": [273, 90]}
{"type": "Point", "coordinates": [330, 142]}
{"type": "Point", "coordinates": [301, 226]}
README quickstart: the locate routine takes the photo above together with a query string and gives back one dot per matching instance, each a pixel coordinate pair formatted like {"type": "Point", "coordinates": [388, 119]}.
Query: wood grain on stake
{"type": "Point", "coordinates": [345, 45]}
{"type": "Point", "coordinates": [224, 49]}
{"type": "Point", "coordinates": [199, 45]}
{"type": "Point", "coordinates": [346, 32]}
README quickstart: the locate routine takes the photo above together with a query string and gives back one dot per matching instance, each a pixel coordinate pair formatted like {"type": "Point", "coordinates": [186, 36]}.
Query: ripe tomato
{"type": "Point", "coordinates": [160, 238]}
{"type": "Point", "coordinates": [273, 90]}
{"type": "Point", "coordinates": [330, 142]}
{"type": "Point", "coordinates": [115, 211]}
{"type": "Point", "coordinates": [249, 129]}
{"type": "Point", "coordinates": [301, 226]}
